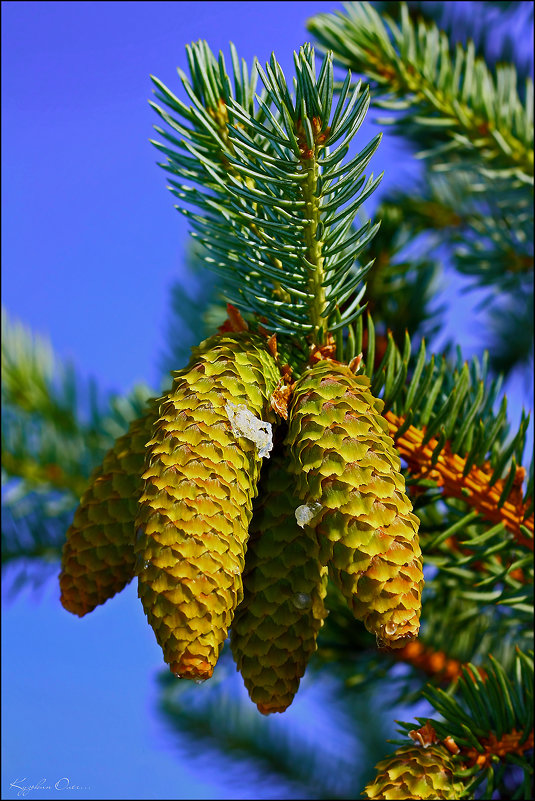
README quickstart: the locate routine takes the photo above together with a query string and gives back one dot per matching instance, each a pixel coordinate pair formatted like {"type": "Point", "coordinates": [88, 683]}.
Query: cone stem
{"type": "Point", "coordinates": [314, 246]}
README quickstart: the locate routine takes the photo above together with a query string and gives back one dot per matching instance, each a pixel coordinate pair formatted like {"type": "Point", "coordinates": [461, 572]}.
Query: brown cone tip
{"type": "Point", "coordinates": [191, 667]}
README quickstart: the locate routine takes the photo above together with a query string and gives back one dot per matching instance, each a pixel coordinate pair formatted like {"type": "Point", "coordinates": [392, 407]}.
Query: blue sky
{"type": "Point", "coordinates": [91, 241]}
{"type": "Point", "coordinates": [91, 246]}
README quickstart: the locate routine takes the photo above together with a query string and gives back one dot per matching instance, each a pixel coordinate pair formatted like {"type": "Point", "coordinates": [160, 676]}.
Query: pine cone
{"type": "Point", "coordinates": [275, 627]}
{"type": "Point", "coordinates": [415, 773]}
{"type": "Point", "coordinates": [347, 475]}
{"type": "Point", "coordinates": [200, 480]}
{"type": "Point", "coordinates": [98, 556]}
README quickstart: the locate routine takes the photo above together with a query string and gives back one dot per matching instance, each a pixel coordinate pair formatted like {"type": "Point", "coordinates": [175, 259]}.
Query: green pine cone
{"type": "Point", "coordinates": [415, 773]}
{"type": "Point", "coordinates": [98, 555]}
{"type": "Point", "coordinates": [200, 480]}
{"type": "Point", "coordinates": [275, 627]}
{"type": "Point", "coordinates": [347, 475]}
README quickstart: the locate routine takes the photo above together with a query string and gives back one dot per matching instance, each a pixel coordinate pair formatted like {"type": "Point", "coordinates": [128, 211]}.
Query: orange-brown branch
{"type": "Point", "coordinates": [473, 488]}
{"type": "Point", "coordinates": [433, 663]}
{"type": "Point", "coordinates": [508, 744]}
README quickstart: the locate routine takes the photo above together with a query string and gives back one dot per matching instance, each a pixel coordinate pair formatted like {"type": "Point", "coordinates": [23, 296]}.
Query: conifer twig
{"type": "Point", "coordinates": [430, 661]}
{"type": "Point", "coordinates": [512, 742]}
{"type": "Point", "coordinates": [279, 233]}
{"type": "Point", "coordinates": [457, 99]}
{"type": "Point", "coordinates": [474, 488]}
{"type": "Point", "coordinates": [49, 474]}
{"type": "Point", "coordinates": [509, 743]}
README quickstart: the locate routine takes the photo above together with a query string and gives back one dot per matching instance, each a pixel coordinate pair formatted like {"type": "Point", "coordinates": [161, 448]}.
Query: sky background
{"type": "Point", "coordinates": [91, 245]}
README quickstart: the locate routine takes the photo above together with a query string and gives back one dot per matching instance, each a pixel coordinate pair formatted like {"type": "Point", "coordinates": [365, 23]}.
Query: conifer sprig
{"type": "Point", "coordinates": [460, 23]}
{"type": "Point", "coordinates": [490, 234]}
{"type": "Point", "coordinates": [219, 722]}
{"type": "Point", "coordinates": [478, 564]}
{"type": "Point", "coordinates": [55, 428]}
{"type": "Point", "coordinates": [486, 725]}
{"type": "Point", "coordinates": [33, 530]}
{"type": "Point", "coordinates": [457, 631]}
{"type": "Point", "coordinates": [438, 411]}
{"type": "Point", "coordinates": [278, 201]}
{"type": "Point", "coordinates": [412, 70]}
{"type": "Point", "coordinates": [457, 627]}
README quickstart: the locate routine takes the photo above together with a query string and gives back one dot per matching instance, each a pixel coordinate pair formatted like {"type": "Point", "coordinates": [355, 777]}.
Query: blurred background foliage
{"type": "Point", "coordinates": [56, 428]}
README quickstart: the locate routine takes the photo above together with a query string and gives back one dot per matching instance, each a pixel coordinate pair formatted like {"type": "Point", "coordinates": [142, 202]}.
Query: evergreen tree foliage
{"type": "Point", "coordinates": [450, 103]}
{"type": "Point", "coordinates": [267, 173]}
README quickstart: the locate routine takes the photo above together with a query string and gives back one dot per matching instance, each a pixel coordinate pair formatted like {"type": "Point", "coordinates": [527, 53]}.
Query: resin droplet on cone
{"type": "Point", "coordinates": [413, 772]}
{"type": "Point", "coordinates": [343, 459]}
{"type": "Point", "coordinates": [200, 480]}
{"type": "Point", "coordinates": [98, 555]}
{"type": "Point", "coordinates": [275, 627]}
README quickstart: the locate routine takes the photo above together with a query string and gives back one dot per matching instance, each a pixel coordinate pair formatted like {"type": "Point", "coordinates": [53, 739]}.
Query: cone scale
{"type": "Point", "coordinates": [194, 513]}
{"type": "Point", "coordinates": [415, 773]}
{"type": "Point", "coordinates": [173, 501]}
{"type": "Point", "coordinates": [275, 627]}
{"type": "Point", "coordinates": [347, 473]}
{"type": "Point", "coordinates": [98, 555]}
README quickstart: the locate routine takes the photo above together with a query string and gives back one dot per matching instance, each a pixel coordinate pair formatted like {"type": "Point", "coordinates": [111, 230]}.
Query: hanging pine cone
{"type": "Point", "coordinates": [275, 627]}
{"type": "Point", "coordinates": [202, 467]}
{"type": "Point", "coordinates": [347, 475]}
{"type": "Point", "coordinates": [98, 555]}
{"type": "Point", "coordinates": [415, 773]}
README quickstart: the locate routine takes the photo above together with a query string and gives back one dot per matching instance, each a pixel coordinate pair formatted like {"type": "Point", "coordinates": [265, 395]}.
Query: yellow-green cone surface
{"type": "Point", "coordinates": [415, 773]}
{"type": "Point", "coordinates": [194, 514]}
{"type": "Point", "coordinates": [275, 627]}
{"type": "Point", "coordinates": [347, 473]}
{"type": "Point", "coordinates": [98, 556]}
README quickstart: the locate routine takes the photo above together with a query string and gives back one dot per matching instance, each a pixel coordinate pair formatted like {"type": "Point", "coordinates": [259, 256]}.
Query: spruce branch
{"type": "Point", "coordinates": [475, 487]}
{"type": "Point", "coordinates": [465, 540]}
{"type": "Point", "coordinates": [400, 286]}
{"type": "Point", "coordinates": [460, 24]}
{"type": "Point", "coordinates": [33, 527]}
{"type": "Point", "coordinates": [277, 201]}
{"type": "Point", "coordinates": [479, 117]}
{"type": "Point", "coordinates": [455, 630]}
{"type": "Point", "coordinates": [477, 563]}
{"type": "Point", "coordinates": [56, 427]}
{"type": "Point", "coordinates": [220, 722]}
{"type": "Point", "coordinates": [496, 707]}
{"type": "Point", "coordinates": [486, 726]}
{"type": "Point", "coordinates": [442, 419]}
{"type": "Point", "coordinates": [447, 218]}
{"type": "Point", "coordinates": [489, 234]}
{"type": "Point", "coordinates": [431, 661]}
